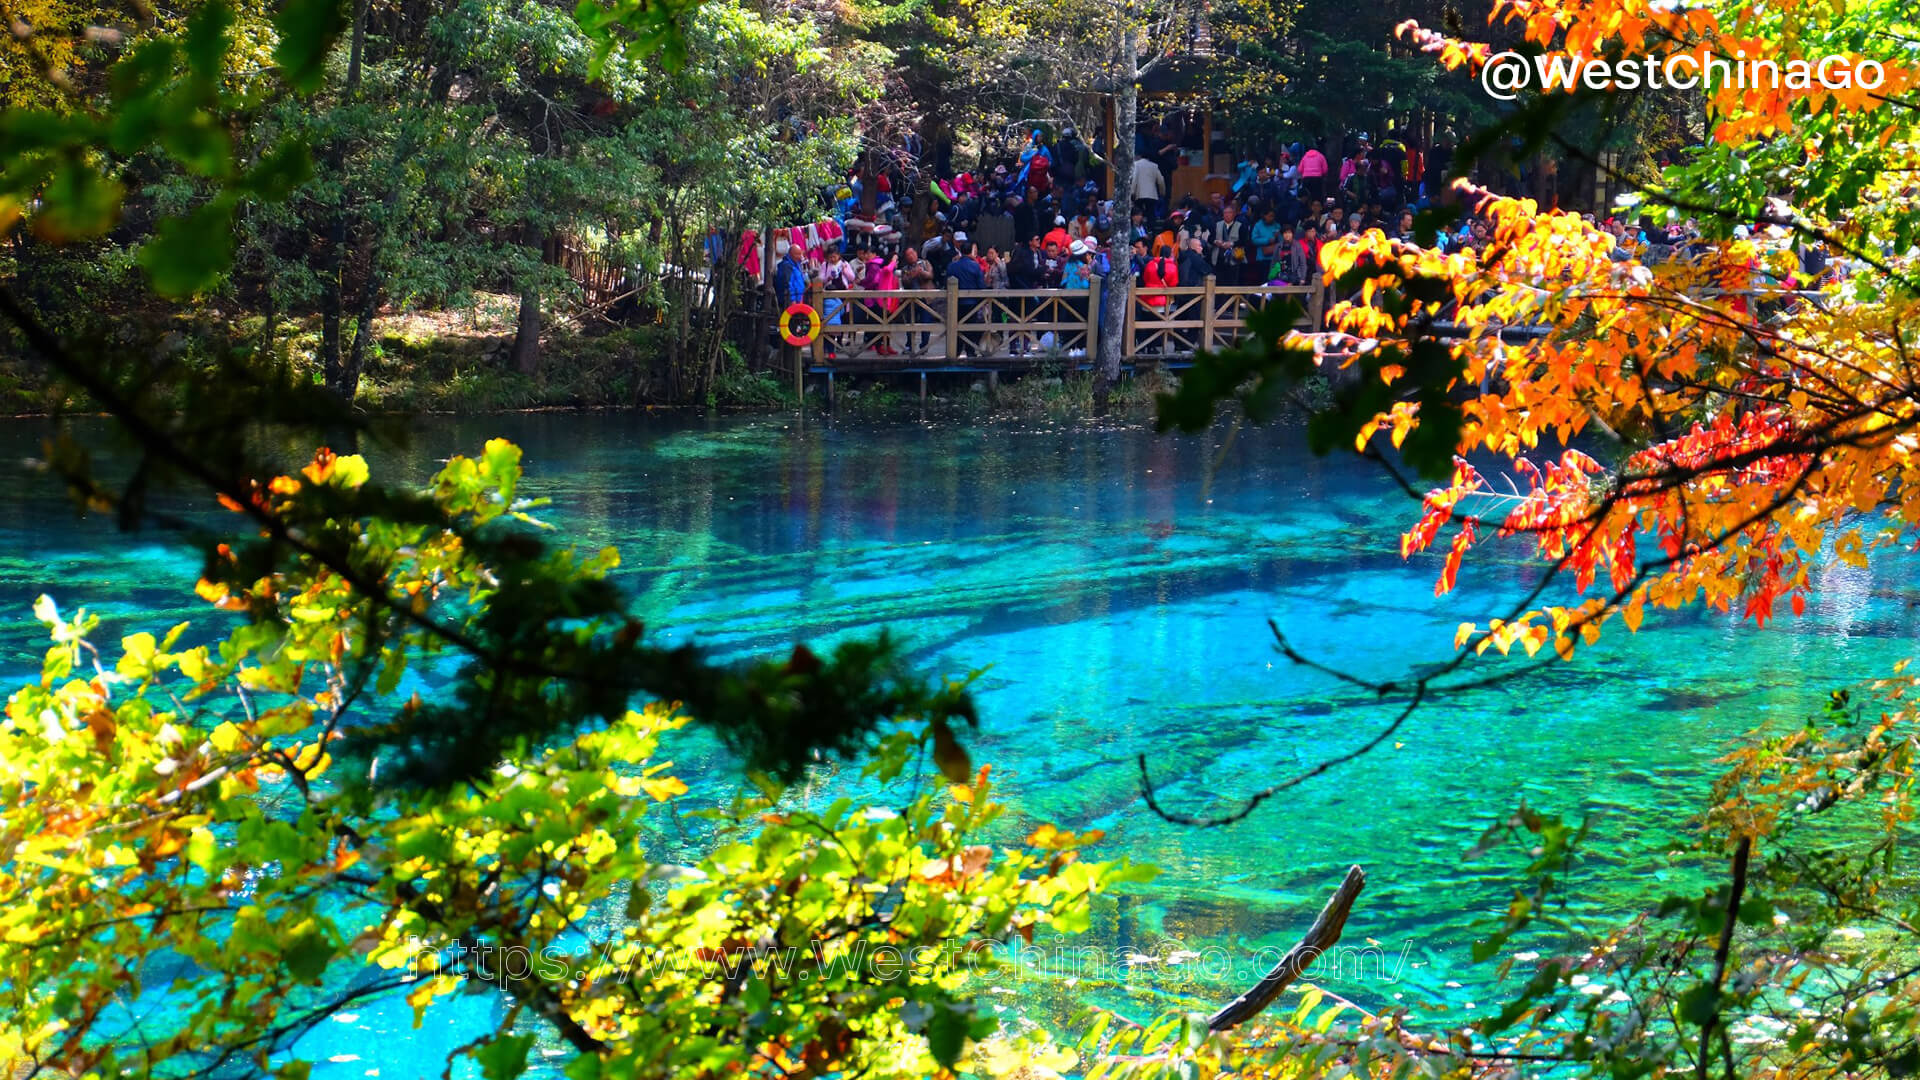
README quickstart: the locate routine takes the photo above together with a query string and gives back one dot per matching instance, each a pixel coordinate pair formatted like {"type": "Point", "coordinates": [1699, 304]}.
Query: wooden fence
{"type": "Point", "coordinates": [601, 279]}
{"type": "Point", "coordinates": [915, 329]}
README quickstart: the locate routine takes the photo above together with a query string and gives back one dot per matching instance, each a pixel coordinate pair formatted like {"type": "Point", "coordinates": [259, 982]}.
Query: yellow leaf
{"type": "Point", "coordinates": [663, 788]}
{"type": "Point", "coordinates": [225, 738]}
{"type": "Point", "coordinates": [311, 760]}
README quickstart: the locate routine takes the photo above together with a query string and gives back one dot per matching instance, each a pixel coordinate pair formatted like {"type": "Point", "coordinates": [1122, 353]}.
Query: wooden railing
{"type": "Point", "coordinates": [1184, 320]}
{"type": "Point", "coordinates": [894, 328]}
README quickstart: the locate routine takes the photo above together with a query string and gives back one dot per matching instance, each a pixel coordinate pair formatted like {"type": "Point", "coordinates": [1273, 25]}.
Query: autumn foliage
{"type": "Point", "coordinates": [1709, 426]}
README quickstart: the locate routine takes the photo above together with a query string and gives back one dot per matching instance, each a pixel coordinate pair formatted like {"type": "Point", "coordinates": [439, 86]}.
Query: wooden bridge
{"type": "Point", "coordinates": [923, 331]}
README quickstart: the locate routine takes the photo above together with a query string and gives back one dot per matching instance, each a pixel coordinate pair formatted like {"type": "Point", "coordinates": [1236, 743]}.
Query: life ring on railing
{"type": "Point", "coordinates": [801, 315]}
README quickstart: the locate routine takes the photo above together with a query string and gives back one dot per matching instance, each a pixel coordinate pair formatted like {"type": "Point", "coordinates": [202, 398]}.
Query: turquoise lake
{"type": "Point", "coordinates": [1117, 588]}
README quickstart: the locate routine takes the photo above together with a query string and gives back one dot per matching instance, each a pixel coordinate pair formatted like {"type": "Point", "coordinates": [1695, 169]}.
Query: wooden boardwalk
{"type": "Point", "coordinates": [929, 331]}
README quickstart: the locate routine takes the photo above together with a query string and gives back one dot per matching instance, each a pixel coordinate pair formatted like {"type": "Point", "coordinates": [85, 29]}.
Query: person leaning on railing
{"type": "Point", "coordinates": [917, 273]}
{"type": "Point", "coordinates": [1075, 275]}
{"type": "Point", "coordinates": [836, 274]}
{"type": "Point", "coordinates": [1230, 245]}
{"type": "Point", "coordinates": [967, 276]}
{"type": "Point", "coordinates": [1027, 270]}
{"type": "Point", "coordinates": [1193, 265]}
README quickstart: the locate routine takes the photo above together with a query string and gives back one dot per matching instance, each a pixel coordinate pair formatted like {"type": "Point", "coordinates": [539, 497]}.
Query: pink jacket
{"type": "Point", "coordinates": [881, 276]}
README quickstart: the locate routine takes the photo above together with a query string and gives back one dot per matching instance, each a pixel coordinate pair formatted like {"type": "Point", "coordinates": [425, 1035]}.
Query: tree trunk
{"type": "Point", "coordinates": [359, 47]}
{"type": "Point", "coordinates": [362, 333]}
{"type": "Point", "coordinates": [526, 338]}
{"type": "Point", "coordinates": [265, 351]}
{"type": "Point", "coordinates": [1116, 292]}
{"type": "Point", "coordinates": [332, 370]}
{"type": "Point", "coordinates": [330, 260]}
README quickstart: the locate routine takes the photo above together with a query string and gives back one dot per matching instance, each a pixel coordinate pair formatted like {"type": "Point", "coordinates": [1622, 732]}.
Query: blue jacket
{"type": "Point", "coordinates": [790, 281]}
{"type": "Point", "coordinates": [966, 271]}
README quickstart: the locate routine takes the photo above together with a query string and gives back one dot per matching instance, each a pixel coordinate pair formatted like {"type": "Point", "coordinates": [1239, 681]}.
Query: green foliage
{"type": "Point", "coordinates": [738, 386]}
{"type": "Point", "coordinates": [306, 30]}
{"type": "Point", "coordinates": [1258, 372]}
{"type": "Point", "coordinates": [546, 645]}
{"type": "Point", "coordinates": [232, 806]}
{"type": "Point", "coordinates": [1336, 73]}
{"type": "Point", "coordinates": [276, 163]}
{"type": "Point", "coordinates": [1748, 967]}
{"type": "Point", "coordinates": [169, 93]}
{"type": "Point", "coordinates": [1273, 369]}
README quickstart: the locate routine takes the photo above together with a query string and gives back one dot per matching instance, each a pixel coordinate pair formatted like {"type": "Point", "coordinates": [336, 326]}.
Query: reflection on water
{"type": "Point", "coordinates": [1119, 606]}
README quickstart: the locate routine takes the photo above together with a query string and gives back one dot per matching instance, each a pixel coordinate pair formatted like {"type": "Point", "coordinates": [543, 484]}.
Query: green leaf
{"type": "Point", "coordinates": [504, 1057]}
{"type": "Point", "coordinates": [1756, 911]}
{"type": "Point", "coordinates": [308, 956]}
{"type": "Point", "coordinates": [23, 131]}
{"type": "Point", "coordinates": [142, 71]}
{"type": "Point", "coordinates": [307, 29]}
{"type": "Point", "coordinates": [1700, 1004]}
{"type": "Point", "coordinates": [279, 172]}
{"type": "Point", "coordinates": [78, 203]}
{"type": "Point", "coordinates": [200, 144]}
{"type": "Point", "coordinates": [391, 670]}
{"type": "Point", "coordinates": [187, 255]}
{"type": "Point", "coordinates": [206, 41]}
{"type": "Point", "coordinates": [583, 1067]}
{"type": "Point", "coordinates": [947, 1032]}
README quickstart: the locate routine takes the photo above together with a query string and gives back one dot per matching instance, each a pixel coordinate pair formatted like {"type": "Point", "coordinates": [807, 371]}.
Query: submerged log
{"type": "Point", "coordinates": [1321, 936]}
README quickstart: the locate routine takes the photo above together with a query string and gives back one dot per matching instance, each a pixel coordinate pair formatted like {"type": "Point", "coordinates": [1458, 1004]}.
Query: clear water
{"type": "Point", "coordinates": [1118, 590]}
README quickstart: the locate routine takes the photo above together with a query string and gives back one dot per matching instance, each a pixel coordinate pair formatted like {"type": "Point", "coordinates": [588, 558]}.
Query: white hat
{"type": "Point", "coordinates": [1741, 232]}
{"type": "Point", "coordinates": [959, 238]}
{"type": "Point", "coordinates": [1079, 247]}
{"type": "Point", "coordinates": [1058, 220]}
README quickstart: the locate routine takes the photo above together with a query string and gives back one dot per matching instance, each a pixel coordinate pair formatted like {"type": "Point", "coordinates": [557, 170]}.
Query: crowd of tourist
{"type": "Point", "coordinates": [1042, 220]}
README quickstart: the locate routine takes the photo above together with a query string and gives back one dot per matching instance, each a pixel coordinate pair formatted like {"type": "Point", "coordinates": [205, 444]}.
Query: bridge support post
{"type": "Point", "coordinates": [1207, 310]}
{"type": "Point", "coordinates": [952, 318]}
{"type": "Point", "coordinates": [816, 299]}
{"type": "Point", "coordinates": [923, 382]}
{"type": "Point", "coordinates": [1093, 322]}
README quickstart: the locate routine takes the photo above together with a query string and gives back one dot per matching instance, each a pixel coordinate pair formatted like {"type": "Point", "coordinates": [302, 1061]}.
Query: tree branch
{"type": "Point", "coordinates": [1322, 935]}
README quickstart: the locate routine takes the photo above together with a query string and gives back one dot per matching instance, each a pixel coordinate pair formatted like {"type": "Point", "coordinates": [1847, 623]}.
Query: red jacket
{"type": "Point", "coordinates": [1161, 274]}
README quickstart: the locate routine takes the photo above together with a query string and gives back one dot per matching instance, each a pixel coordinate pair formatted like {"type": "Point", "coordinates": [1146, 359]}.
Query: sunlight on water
{"type": "Point", "coordinates": [1118, 601]}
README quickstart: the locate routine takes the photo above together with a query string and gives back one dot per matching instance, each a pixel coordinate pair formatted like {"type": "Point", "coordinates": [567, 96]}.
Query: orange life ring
{"type": "Point", "coordinates": [799, 311]}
